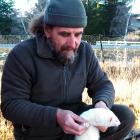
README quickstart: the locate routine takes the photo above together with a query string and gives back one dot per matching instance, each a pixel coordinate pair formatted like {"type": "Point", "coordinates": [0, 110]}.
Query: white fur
{"type": "Point", "coordinates": [97, 117]}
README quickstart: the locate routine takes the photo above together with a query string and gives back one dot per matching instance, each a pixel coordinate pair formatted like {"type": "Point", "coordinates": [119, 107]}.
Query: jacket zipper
{"type": "Point", "coordinates": [65, 82]}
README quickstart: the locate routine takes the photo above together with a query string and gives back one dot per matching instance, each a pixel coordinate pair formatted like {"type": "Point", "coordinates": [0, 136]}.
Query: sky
{"type": "Point", "coordinates": [136, 7]}
{"type": "Point", "coordinates": [26, 5]}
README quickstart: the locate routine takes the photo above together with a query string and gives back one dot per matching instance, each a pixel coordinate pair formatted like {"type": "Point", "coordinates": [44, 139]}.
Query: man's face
{"type": "Point", "coordinates": [65, 41]}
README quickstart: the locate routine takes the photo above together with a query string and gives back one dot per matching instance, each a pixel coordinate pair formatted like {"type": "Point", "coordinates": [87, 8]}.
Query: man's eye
{"type": "Point", "coordinates": [78, 34]}
{"type": "Point", "coordinates": [64, 34]}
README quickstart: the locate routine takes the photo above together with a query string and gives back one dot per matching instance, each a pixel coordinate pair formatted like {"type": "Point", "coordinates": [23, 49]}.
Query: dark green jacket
{"type": "Point", "coordinates": [35, 84]}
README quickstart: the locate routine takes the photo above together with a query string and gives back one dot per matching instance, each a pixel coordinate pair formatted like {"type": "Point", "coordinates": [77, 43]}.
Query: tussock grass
{"type": "Point", "coordinates": [6, 129]}
{"type": "Point", "coordinates": [126, 81]}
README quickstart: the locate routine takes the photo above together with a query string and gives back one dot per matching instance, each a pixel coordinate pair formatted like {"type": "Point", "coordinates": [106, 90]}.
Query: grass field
{"type": "Point", "coordinates": [126, 80]}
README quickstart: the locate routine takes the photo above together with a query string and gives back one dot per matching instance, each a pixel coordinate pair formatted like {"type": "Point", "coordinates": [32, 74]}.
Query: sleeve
{"type": "Point", "coordinates": [100, 88]}
{"type": "Point", "coordinates": [16, 91]}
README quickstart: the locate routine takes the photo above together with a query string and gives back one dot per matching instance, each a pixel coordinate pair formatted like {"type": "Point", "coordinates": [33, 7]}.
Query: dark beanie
{"type": "Point", "coordinates": [65, 13]}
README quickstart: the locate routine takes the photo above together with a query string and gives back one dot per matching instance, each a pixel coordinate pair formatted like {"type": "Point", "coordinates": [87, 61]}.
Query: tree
{"type": "Point", "coordinates": [102, 15]}
{"type": "Point", "coordinates": [39, 7]}
{"type": "Point", "coordinates": [107, 17]}
{"type": "Point", "coordinates": [10, 22]}
{"type": "Point", "coordinates": [7, 13]}
{"type": "Point", "coordinates": [96, 17]}
{"type": "Point", "coordinates": [120, 21]}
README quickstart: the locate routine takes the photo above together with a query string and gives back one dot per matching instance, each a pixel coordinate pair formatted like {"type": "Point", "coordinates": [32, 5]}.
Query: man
{"type": "Point", "coordinates": [44, 77]}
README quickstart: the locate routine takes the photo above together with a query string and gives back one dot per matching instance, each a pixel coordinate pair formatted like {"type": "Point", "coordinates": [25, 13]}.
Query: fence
{"type": "Point", "coordinates": [12, 39]}
{"type": "Point", "coordinates": [122, 52]}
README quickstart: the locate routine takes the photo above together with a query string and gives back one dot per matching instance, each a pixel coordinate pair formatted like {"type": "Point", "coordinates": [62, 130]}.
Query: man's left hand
{"type": "Point", "coordinates": [101, 104]}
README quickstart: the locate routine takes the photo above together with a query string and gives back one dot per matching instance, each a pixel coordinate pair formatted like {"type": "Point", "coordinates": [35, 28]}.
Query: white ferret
{"type": "Point", "coordinates": [97, 117]}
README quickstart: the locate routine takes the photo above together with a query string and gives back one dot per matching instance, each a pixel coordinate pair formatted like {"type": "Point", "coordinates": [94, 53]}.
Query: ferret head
{"type": "Point", "coordinates": [113, 121]}
{"type": "Point", "coordinates": [101, 117]}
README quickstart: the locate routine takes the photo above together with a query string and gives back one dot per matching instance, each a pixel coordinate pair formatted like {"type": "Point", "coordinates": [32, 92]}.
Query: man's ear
{"type": "Point", "coordinates": [47, 31]}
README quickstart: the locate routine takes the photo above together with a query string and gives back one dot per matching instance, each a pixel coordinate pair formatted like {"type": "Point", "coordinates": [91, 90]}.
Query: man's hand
{"type": "Point", "coordinates": [70, 122]}
{"type": "Point", "coordinates": [101, 104]}
{"type": "Point", "coordinates": [102, 128]}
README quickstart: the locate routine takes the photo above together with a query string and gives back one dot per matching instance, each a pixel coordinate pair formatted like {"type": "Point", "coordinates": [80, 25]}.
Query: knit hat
{"type": "Point", "coordinates": [65, 13]}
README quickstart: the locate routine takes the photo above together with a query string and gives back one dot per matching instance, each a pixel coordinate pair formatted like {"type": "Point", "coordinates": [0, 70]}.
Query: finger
{"type": "Point", "coordinates": [66, 132]}
{"type": "Point", "coordinates": [80, 123]}
{"type": "Point", "coordinates": [86, 124]}
{"type": "Point", "coordinates": [76, 126]}
{"type": "Point", "coordinates": [102, 128]}
{"type": "Point", "coordinates": [72, 124]}
{"type": "Point", "coordinates": [101, 104]}
{"type": "Point", "coordinates": [79, 119]}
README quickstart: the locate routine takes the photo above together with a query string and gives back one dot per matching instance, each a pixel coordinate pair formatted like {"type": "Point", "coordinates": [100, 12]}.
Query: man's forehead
{"type": "Point", "coordinates": [68, 29]}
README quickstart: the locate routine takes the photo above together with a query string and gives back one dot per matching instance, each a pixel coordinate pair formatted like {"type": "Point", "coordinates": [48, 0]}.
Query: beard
{"type": "Point", "coordinates": [66, 55]}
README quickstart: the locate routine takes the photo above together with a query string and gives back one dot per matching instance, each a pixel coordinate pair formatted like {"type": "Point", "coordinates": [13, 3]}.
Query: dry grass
{"type": "Point", "coordinates": [126, 80]}
{"type": "Point", "coordinates": [6, 129]}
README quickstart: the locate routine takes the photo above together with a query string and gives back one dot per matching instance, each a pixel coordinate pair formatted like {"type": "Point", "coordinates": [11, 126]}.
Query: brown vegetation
{"type": "Point", "coordinates": [126, 80]}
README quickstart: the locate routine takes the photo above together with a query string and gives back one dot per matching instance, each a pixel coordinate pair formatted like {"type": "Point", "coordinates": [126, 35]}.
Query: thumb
{"type": "Point", "coordinates": [79, 119]}
{"type": "Point", "coordinates": [102, 128]}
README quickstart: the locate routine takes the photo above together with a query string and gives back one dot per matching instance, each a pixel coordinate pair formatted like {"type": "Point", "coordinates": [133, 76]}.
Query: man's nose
{"type": "Point", "coordinates": [72, 42]}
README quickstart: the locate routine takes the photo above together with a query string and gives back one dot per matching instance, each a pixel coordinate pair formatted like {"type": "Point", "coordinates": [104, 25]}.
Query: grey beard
{"type": "Point", "coordinates": [60, 56]}
{"type": "Point", "coordinates": [63, 59]}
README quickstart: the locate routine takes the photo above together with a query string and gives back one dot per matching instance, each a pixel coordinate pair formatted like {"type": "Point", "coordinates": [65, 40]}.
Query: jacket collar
{"type": "Point", "coordinates": [43, 47]}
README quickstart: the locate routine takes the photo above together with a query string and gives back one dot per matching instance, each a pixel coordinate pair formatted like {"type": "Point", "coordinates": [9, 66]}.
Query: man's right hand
{"type": "Point", "coordinates": [70, 122]}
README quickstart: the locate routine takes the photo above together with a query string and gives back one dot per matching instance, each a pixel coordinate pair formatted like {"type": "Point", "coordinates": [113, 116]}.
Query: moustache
{"type": "Point", "coordinates": [68, 48]}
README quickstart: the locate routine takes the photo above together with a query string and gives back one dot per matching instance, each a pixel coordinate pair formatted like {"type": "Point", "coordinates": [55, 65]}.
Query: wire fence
{"type": "Point", "coordinates": [109, 53]}
{"type": "Point", "coordinates": [12, 39]}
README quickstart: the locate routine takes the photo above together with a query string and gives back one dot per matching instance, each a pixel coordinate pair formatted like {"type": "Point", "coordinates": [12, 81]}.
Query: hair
{"type": "Point", "coordinates": [37, 25]}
